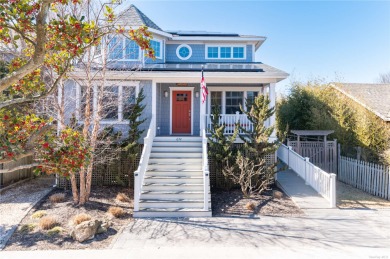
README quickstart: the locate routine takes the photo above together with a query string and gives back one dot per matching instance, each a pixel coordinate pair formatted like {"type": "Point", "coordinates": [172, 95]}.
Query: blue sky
{"type": "Point", "coordinates": [333, 40]}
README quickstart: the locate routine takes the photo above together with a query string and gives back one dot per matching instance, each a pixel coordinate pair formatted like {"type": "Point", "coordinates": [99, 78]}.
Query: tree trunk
{"type": "Point", "coordinates": [75, 192]}
{"type": "Point", "coordinates": [82, 187]}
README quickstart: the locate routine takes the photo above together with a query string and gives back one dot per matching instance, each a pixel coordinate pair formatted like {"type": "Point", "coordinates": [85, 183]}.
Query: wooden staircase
{"type": "Point", "coordinates": [174, 184]}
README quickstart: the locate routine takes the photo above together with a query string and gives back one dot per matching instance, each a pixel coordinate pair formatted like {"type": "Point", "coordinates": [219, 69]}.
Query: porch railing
{"type": "Point", "coordinates": [143, 163]}
{"type": "Point", "coordinates": [230, 120]}
{"type": "Point", "coordinates": [206, 172]}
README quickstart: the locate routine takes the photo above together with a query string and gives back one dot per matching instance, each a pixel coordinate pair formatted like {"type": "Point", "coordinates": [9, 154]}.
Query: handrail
{"type": "Point", "coordinates": [206, 172]}
{"type": "Point", "coordinates": [143, 163]}
{"type": "Point", "coordinates": [321, 181]}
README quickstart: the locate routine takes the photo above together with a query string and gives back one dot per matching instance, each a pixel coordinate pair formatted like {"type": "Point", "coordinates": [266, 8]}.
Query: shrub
{"type": "Point", "coordinates": [116, 211]}
{"type": "Point", "coordinates": [81, 218]}
{"type": "Point", "coordinates": [54, 231]}
{"type": "Point", "coordinates": [123, 197]}
{"type": "Point", "coordinates": [38, 214]}
{"type": "Point", "coordinates": [250, 206]}
{"type": "Point", "coordinates": [57, 198]}
{"type": "Point", "coordinates": [48, 222]}
{"type": "Point", "coordinates": [27, 227]}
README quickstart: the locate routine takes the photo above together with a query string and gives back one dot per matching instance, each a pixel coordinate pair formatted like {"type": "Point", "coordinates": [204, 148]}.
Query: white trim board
{"type": "Point", "coordinates": [180, 88]}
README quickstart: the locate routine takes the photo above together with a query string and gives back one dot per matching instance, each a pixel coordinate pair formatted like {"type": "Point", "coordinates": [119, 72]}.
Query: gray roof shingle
{"type": "Point", "coordinates": [133, 17]}
{"type": "Point", "coordinates": [375, 97]}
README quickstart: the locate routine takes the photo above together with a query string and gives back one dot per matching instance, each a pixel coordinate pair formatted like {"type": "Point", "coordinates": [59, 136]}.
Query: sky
{"type": "Point", "coordinates": [346, 41]}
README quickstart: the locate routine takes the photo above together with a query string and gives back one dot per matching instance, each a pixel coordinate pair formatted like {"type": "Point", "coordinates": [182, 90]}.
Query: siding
{"type": "Point", "coordinates": [198, 55]}
{"type": "Point", "coordinates": [163, 109]}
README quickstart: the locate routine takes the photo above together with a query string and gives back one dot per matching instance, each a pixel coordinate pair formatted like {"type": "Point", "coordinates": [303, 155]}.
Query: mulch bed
{"type": "Point", "coordinates": [233, 203]}
{"type": "Point", "coordinates": [101, 199]}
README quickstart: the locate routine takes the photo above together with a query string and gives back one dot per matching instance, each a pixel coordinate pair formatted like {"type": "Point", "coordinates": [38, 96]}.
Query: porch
{"type": "Point", "coordinates": [180, 112]}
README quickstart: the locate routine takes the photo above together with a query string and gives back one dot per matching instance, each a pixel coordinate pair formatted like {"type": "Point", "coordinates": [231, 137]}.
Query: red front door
{"type": "Point", "coordinates": [181, 112]}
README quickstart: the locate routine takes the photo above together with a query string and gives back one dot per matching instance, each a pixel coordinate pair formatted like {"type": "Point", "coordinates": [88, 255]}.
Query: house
{"type": "Point", "coordinates": [173, 178]}
{"type": "Point", "coordinates": [373, 97]}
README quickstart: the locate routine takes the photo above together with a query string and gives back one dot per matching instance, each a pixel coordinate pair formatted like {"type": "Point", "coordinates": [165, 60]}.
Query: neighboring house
{"type": "Point", "coordinates": [172, 179]}
{"type": "Point", "coordinates": [374, 97]}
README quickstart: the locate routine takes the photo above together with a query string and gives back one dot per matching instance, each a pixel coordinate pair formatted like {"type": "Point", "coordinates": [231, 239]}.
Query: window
{"type": "Point", "coordinates": [233, 101]}
{"type": "Point", "coordinates": [110, 103]}
{"type": "Point", "coordinates": [115, 48]}
{"type": "Point", "coordinates": [123, 48]}
{"type": "Point", "coordinates": [250, 98]}
{"type": "Point", "coordinates": [238, 52]}
{"type": "Point", "coordinates": [118, 102]}
{"type": "Point", "coordinates": [128, 101]}
{"type": "Point", "coordinates": [156, 46]}
{"type": "Point", "coordinates": [131, 50]}
{"type": "Point", "coordinates": [181, 97]}
{"type": "Point", "coordinates": [225, 52]}
{"type": "Point", "coordinates": [212, 52]}
{"type": "Point", "coordinates": [216, 101]}
{"type": "Point", "coordinates": [184, 52]}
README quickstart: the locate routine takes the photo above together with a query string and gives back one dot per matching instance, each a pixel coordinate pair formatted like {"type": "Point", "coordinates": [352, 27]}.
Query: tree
{"type": "Point", "coordinates": [329, 109]}
{"type": "Point", "coordinates": [221, 146]}
{"type": "Point", "coordinates": [42, 39]}
{"type": "Point", "coordinates": [251, 170]}
{"type": "Point", "coordinates": [384, 78]}
{"type": "Point", "coordinates": [70, 33]}
{"type": "Point", "coordinates": [131, 145]}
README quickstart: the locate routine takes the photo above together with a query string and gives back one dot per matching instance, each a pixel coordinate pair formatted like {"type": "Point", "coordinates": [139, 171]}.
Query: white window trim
{"type": "Point", "coordinates": [219, 50]}
{"type": "Point", "coordinates": [175, 88]}
{"type": "Point", "coordinates": [161, 47]}
{"type": "Point", "coordinates": [230, 89]}
{"type": "Point", "coordinates": [178, 54]}
{"type": "Point", "coordinates": [120, 85]}
{"type": "Point", "coordinates": [124, 51]}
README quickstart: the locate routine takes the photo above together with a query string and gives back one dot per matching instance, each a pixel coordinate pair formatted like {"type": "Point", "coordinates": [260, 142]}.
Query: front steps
{"type": "Point", "coordinates": [173, 183]}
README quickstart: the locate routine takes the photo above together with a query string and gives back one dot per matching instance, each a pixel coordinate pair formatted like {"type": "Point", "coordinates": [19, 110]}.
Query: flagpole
{"type": "Point", "coordinates": [202, 105]}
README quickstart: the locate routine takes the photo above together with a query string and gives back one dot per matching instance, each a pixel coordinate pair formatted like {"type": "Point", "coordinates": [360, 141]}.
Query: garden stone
{"type": "Point", "coordinates": [277, 194]}
{"type": "Point", "coordinates": [101, 230]}
{"type": "Point", "coordinates": [86, 230]}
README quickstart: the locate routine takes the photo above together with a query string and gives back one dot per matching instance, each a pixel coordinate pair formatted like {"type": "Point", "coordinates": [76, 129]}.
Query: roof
{"type": "Point", "coordinates": [207, 67]}
{"type": "Point", "coordinates": [132, 16]}
{"type": "Point", "coordinates": [312, 132]}
{"type": "Point", "coordinates": [374, 97]}
{"type": "Point", "coordinates": [203, 33]}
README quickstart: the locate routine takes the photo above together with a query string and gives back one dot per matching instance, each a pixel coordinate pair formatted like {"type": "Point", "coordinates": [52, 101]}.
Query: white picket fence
{"type": "Point", "coordinates": [369, 177]}
{"type": "Point", "coordinates": [321, 181]}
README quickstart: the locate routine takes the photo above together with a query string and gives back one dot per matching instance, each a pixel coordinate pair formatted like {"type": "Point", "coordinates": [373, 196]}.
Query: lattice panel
{"type": "Point", "coordinates": [114, 172]}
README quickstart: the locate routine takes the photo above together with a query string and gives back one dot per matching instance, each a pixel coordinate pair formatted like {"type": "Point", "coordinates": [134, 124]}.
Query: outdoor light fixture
{"type": "Point", "coordinates": [166, 93]}
{"type": "Point", "coordinates": [197, 94]}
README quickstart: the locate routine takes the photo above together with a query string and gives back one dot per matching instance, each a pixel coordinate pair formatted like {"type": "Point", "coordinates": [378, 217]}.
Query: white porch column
{"type": "Point", "coordinates": [272, 97]}
{"type": "Point", "coordinates": [154, 105]}
{"type": "Point", "coordinates": [202, 113]}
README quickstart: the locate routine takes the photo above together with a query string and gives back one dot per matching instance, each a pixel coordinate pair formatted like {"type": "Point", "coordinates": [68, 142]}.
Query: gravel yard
{"type": "Point", "coordinates": [16, 201]}
{"type": "Point", "coordinates": [232, 203]}
{"type": "Point", "coordinates": [30, 236]}
{"type": "Point", "coordinates": [349, 197]}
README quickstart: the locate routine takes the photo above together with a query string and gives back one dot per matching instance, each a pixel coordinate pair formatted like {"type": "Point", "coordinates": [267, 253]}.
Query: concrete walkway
{"type": "Point", "coordinates": [303, 195]}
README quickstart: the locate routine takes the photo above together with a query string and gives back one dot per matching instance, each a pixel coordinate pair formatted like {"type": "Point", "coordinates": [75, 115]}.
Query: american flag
{"type": "Point", "coordinates": [203, 86]}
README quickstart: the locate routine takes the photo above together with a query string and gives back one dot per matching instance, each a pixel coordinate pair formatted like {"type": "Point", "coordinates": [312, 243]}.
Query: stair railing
{"type": "Point", "coordinates": [143, 163]}
{"type": "Point", "coordinates": [206, 172]}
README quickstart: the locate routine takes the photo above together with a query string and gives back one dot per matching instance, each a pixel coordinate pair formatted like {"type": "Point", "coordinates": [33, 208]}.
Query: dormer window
{"type": "Point", "coordinates": [122, 48]}
{"type": "Point", "coordinates": [156, 46]}
{"type": "Point", "coordinates": [225, 52]}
